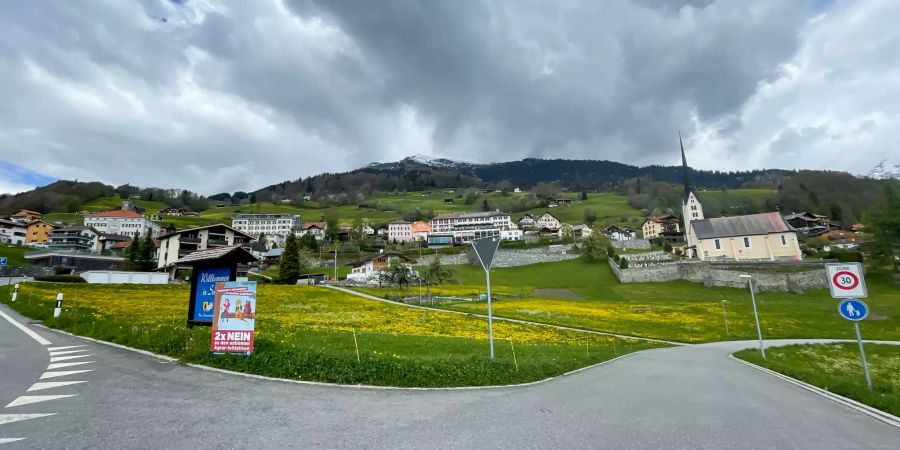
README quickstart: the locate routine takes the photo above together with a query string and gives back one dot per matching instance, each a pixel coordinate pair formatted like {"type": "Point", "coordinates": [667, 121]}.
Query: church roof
{"type": "Point", "coordinates": [750, 225]}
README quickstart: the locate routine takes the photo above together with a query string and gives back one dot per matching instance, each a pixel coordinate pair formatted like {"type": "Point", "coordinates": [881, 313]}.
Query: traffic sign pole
{"type": "Point", "coordinates": [762, 348]}
{"type": "Point", "coordinates": [487, 275]}
{"type": "Point", "coordinates": [862, 355]}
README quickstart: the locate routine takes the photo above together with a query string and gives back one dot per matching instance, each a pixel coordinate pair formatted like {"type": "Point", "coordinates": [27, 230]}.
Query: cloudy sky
{"type": "Point", "coordinates": [223, 95]}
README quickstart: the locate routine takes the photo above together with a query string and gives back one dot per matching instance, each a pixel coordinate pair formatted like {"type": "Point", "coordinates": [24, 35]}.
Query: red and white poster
{"type": "Point", "coordinates": [234, 317]}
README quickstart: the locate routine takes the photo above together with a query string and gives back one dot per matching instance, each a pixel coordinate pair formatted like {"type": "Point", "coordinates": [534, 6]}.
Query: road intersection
{"type": "Point", "coordinates": [678, 397]}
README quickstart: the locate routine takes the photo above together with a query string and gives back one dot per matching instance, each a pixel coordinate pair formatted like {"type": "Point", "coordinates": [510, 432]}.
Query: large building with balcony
{"type": "Point", "coordinates": [174, 245]}
{"type": "Point", "coordinates": [276, 227]}
{"type": "Point", "coordinates": [122, 221]}
{"type": "Point", "coordinates": [464, 227]}
{"type": "Point", "coordinates": [75, 238]}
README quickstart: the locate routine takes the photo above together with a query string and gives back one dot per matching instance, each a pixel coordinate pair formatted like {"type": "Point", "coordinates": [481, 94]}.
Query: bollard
{"type": "Point", "coordinates": [58, 309]}
{"type": "Point", "coordinates": [15, 291]}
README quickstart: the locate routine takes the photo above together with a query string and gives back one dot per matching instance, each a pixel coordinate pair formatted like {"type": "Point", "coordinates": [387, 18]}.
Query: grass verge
{"type": "Point", "coordinates": [307, 333]}
{"type": "Point", "coordinates": [837, 368]}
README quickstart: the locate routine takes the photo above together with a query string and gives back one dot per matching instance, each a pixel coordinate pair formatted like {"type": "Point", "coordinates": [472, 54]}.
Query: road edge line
{"type": "Point", "coordinates": [882, 416]}
{"type": "Point", "coordinates": [170, 359]}
{"type": "Point", "coordinates": [31, 333]}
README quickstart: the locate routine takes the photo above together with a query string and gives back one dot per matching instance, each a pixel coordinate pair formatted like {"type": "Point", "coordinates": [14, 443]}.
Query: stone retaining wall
{"type": "Point", "coordinates": [514, 258]}
{"type": "Point", "coordinates": [765, 276]}
{"type": "Point", "coordinates": [632, 243]}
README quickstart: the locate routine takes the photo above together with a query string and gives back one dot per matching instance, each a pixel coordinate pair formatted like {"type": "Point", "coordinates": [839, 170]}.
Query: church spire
{"type": "Point", "coordinates": [685, 170]}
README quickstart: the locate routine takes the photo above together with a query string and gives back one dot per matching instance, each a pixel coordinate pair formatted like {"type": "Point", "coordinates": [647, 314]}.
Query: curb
{"type": "Point", "coordinates": [875, 413]}
{"type": "Point", "coordinates": [519, 321]}
{"type": "Point", "coordinates": [169, 359]}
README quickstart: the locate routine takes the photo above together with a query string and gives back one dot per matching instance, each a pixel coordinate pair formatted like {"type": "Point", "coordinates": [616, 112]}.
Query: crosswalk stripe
{"type": "Point", "coordinates": [10, 418]}
{"type": "Point", "coordinates": [55, 349]}
{"type": "Point", "coordinates": [66, 358]}
{"type": "Point", "coordinates": [5, 440]}
{"type": "Point", "coordinates": [61, 373]}
{"type": "Point", "coordinates": [29, 399]}
{"type": "Point", "coordinates": [51, 384]}
{"type": "Point", "coordinates": [66, 352]}
{"type": "Point", "coordinates": [54, 366]}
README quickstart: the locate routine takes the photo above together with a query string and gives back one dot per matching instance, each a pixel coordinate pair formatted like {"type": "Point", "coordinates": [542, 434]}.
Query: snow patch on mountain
{"type": "Point", "coordinates": [422, 160]}
{"type": "Point", "coordinates": [883, 171]}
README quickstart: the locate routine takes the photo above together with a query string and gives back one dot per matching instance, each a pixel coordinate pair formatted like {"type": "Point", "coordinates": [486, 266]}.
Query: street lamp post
{"type": "Point", "coordinates": [725, 317]}
{"type": "Point", "coordinates": [762, 348]}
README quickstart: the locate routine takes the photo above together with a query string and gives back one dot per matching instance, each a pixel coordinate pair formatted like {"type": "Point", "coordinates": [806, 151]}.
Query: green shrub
{"type": "Point", "coordinates": [60, 278]}
{"type": "Point", "coordinates": [847, 256]}
{"type": "Point", "coordinates": [623, 263]}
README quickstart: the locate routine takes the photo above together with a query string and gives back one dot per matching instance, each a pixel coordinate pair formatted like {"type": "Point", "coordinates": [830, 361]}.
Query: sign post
{"type": "Point", "coordinates": [846, 280]}
{"type": "Point", "coordinates": [485, 250]}
{"type": "Point", "coordinates": [3, 261]}
{"type": "Point", "coordinates": [855, 311]}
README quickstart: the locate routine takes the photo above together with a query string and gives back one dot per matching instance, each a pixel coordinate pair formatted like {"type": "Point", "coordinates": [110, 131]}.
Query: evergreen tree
{"type": "Point", "coordinates": [289, 267]}
{"type": "Point", "coordinates": [884, 227]}
{"type": "Point", "coordinates": [146, 252]}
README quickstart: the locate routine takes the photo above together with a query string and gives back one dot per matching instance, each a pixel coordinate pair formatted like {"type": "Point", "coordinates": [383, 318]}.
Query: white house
{"type": "Point", "coordinates": [122, 221]}
{"type": "Point", "coordinates": [317, 229]}
{"type": "Point", "coordinates": [465, 227]}
{"type": "Point", "coordinates": [368, 268]}
{"type": "Point", "coordinates": [548, 221]}
{"type": "Point", "coordinates": [581, 232]}
{"type": "Point", "coordinates": [12, 232]}
{"type": "Point", "coordinates": [174, 245]}
{"type": "Point", "coordinates": [617, 233]}
{"type": "Point", "coordinates": [85, 239]}
{"type": "Point", "coordinates": [276, 227]}
{"type": "Point", "coordinates": [400, 231]}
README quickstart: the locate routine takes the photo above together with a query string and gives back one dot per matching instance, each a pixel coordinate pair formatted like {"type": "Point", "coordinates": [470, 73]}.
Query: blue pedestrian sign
{"type": "Point", "coordinates": [2, 261]}
{"type": "Point", "coordinates": [853, 309]}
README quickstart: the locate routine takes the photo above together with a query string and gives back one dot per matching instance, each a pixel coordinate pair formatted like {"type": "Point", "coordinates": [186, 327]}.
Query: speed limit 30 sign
{"type": "Point", "coordinates": [846, 280]}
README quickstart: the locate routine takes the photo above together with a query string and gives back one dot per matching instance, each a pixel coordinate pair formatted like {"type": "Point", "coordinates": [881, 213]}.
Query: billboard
{"type": "Point", "coordinates": [205, 292]}
{"type": "Point", "coordinates": [234, 318]}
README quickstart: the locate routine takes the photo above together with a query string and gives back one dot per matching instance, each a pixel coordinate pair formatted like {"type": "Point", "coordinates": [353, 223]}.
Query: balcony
{"type": "Point", "coordinates": [189, 240]}
{"type": "Point", "coordinates": [216, 242]}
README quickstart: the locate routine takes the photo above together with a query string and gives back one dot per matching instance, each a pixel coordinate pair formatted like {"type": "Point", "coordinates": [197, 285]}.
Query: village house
{"type": "Point", "coordinates": [13, 232]}
{"type": "Point", "coordinates": [548, 221]}
{"type": "Point", "coordinates": [555, 202]}
{"type": "Point", "coordinates": [420, 230]}
{"type": "Point", "coordinates": [368, 268]}
{"type": "Point", "coordinates": [114, 242]}
{"type": "Point", "coordinates": [754, 237]}
{"type": "Point", "coordinates": [38, 231]}
{"type": "Point", "coordinates": [808, 223]}
{"type": "Point", "coordinates": [617, 233]}
{"type": "Point", "coordinates": [654, 227]}
{"type": "Point", "coordinates": [122, 221]}
{"type": "Point", "coordinates": [527, 223]}
{"type": "Point", "coordinates": [400, 231]}
{"type": "Point", "coordinates": [316, 229]}
{"type": "Point", "coordinates": [581, 231]}
{"type": "Point", "coordinates": [173, 246]}
{"type": "Point", "coordinates": [25, 215]}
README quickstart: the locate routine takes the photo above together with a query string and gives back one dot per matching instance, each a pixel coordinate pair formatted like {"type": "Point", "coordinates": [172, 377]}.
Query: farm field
{"type": "Point", "coordinates": [584, 295]}
{"type": "Point", "coordinates": [837, 368]}
{"type": "Point", "coordinates": [308, 333]}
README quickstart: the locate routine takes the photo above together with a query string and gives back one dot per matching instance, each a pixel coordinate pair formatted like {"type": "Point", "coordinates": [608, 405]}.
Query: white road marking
{"type": "Point", "coordinates": [29, 399]}
{"type": "Point", "coordinates": [40, 339]}
{"type": "Point", "coordinates": [5, 440]}
{"type": "Point", "coordinates": [66, 358]}
{"type": "Point", "coordinates": [66, 352]}
{"type": "Point", "coordinates": [55, 366]}
{"type": "Point", "coordinates": [61, 373]}
{"type": "Point", "coordinates": [54, 349]}
{"type": "Point", "coordinates": [39, 386]}
{"type": "Point", "coordinates": [10, 418]}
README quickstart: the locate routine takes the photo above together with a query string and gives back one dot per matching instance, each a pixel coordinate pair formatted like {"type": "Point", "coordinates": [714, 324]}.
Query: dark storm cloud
{"type": "Point", "coordinates": [224, 95]}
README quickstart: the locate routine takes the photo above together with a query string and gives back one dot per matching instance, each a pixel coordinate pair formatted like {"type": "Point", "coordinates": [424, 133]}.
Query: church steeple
{"type": "Point", "coordinates": [685, 170]}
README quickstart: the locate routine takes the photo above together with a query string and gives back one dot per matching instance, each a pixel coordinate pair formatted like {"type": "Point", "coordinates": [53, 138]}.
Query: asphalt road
{"type": "Point", "coordinates": [681, 397]}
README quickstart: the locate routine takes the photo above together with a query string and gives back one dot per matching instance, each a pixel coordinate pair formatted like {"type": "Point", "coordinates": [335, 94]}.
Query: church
{"type": "Point", "coordinates": [754, 237]}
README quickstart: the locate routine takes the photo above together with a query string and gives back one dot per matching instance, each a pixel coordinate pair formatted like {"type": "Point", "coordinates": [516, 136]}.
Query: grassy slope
{"type": "Point", "coordinates": [15, 254]}
{"type": "Point", "coordinates": [308, 333]}
{"type": "Point", "coordinates": [681, 310]}
{"type": "Point", "coordinates": [837, 368]}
